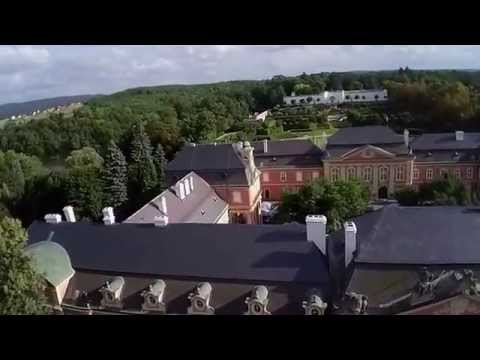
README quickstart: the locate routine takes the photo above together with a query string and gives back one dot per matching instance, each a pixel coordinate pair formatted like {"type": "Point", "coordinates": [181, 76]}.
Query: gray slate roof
{"type": "Point", "coordinates": [270, 253]}
{"type": "Point", "coordinates": [446, 156]}
{"type": "Point", "coordinates": [439, 235]}
{"type": "Point", "coordinates": [365, 135]}
{"type": "Point", "coordinates": [446, 141]}
{"type": "Point", "coordinates": [202, 205]}
{"type": "Point", "coordinates": [285, 153]}
{"type": "Point", "coordinates": [217, 164]}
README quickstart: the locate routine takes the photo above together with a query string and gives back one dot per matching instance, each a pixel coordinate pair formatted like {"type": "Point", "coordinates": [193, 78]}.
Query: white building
{"type": "Point", "coordinates": [259, 116]}
{"type": "Point", "coordinates": [338, 97]}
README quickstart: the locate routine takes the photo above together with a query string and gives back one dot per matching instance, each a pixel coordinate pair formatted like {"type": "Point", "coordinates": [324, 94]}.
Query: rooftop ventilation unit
{"type": "Point", "coordinates": [112, 292]}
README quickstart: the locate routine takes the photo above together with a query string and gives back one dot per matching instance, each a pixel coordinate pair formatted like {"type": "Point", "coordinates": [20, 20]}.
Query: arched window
{"type": "Point", "coordinates": [293, 101]}
{"type": "Point", "coordinates": [376, 97]}
{"type": "Point", "coordinates": [356, 97]}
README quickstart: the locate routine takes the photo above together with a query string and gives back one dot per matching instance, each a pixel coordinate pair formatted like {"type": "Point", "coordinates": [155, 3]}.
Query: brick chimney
{"type": "Point", "coordinates": [406, 137]}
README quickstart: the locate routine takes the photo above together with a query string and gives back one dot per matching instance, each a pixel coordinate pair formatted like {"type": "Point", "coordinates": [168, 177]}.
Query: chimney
{"type": "Point", "coordinates": [317, 231]}
{"type": "Point", "coordinates": [69, 214]}
{"type": "Point", "coordinates": [53, 218]}
{"type": "Point", "coordinates": [265, 146]}
{"type": "Point", "coordinates": [248, 152]}
{"type": "Point", "coordinates": [187, 187]}
{"type": "Point", "coordinates": [293, 93]}
{"type": "Point", "coordinates": [459, 135]}
{"type": "Point", "coordinates": [108, 216]}
{"type": "Point", "coordinates": [406, 137]}
{"type": "Point", "coordinates": [191, 182]}
{"type": "Point", "coordinates": [164, 205]}
{"type": "Point", "coordinates": [161, 220]}
{"type": "Point", "coordinates": [350, 241]}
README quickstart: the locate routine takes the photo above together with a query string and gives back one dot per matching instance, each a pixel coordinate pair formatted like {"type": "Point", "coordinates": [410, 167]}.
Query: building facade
{"type": "Point", "coordinates": [338, 97]}
{"type": "Point", "coordinates": [286, 166]}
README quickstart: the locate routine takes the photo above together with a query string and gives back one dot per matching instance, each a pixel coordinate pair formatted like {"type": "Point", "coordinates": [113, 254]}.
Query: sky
{"type": "Point", "coordinates": [36, 72]}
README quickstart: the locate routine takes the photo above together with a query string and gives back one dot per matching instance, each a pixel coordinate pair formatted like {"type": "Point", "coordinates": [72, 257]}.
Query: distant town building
{"type": "Point", "coordinates": [337, 97]}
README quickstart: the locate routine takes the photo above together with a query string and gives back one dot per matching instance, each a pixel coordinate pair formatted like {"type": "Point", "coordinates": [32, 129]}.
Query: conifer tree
{"type": "Point", "coordinates": [143, 175]}
{"type": "Point", "coordinates": [115, 177]}
{"type": "Point", "coordinates": [160, 165]}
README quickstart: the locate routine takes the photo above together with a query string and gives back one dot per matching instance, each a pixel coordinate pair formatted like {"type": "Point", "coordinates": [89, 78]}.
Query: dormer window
{"type": "Point", "coordinates": [200, 300]}
{"type": "Point", "coordinates": [112, 292]}
{"type": "Point", "coordinates": [153, 297]}
{"type": "Point", "coordinates": [258, 301]}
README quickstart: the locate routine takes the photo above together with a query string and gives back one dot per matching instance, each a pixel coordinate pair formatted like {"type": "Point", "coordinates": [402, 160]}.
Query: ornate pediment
{"type": "Point", "coordinates": [367, 152]}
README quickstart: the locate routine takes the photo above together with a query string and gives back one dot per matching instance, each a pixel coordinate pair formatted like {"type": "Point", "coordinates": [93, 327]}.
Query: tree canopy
{"type": "Point", "coordinates": [338, 201]}
{"type": "Point", "coordinates": [21, 289]}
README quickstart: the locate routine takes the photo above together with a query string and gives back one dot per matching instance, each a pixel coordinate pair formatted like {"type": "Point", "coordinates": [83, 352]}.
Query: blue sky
{"type": "Point", "coordinates": [34, 72]}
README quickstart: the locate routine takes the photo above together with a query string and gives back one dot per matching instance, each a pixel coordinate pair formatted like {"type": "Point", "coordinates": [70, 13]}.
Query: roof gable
{"type": "Point", "coordinates": [367, 152]}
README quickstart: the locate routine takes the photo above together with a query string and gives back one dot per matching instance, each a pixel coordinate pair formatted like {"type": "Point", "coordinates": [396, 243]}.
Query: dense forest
{"type": "Point", "coordinates": [48, 162]}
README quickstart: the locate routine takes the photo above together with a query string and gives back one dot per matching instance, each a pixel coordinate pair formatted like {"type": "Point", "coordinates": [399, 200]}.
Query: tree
{"type": "Point", "coordinates": [160, 165]}
{"type": "Point", "coordinates": [449, 191]}
{"type": "Point", "coordinates": [143, 176]}
{"type": "Point", "coordinates": [21, 289]}
{"type": "Point", "coordinates": [338, 201]}
{"type": "Point", "coordinates": [115, 177]}
{"type": "Point", "coordinates": [84, 184]}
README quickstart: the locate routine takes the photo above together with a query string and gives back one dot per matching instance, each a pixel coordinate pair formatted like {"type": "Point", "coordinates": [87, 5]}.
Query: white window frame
{"type": "Point", "coordinates": [335, 174]}
{"type": "Point", "coordinates": [266, 176]}
{"type": "Point", "coordinates": [416, 173]}
{"type": "Point", "coordinates": [237, 196]}
{"type": "Point", "coordinates": [400, 173]}
{"type": "Point", "coordinates": [458, 173]}
{"type": "Point", "coordinates": [315, 175]}
{"type": "Point", "coordinates": [429, 174]}
{"type": "Point", "coordinates": [351, 173]}
{"type": "Point", "coordinates": [383, 173]}
{"type": "Point", "coordinates": [283, 176]}
{"type": "Point", "coordinates": [367, 175]}
{"type": "Point", "coordinates": [299, 176]}
{"type": "Point", "coordinates": [469, 173]}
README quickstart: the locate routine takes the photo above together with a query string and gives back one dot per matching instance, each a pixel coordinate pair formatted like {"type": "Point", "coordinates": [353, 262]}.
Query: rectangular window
{"type": "Point", "coordinates": [299, 176]}
{"type": "Point", "coordinates": [443, 173]}
{"type": "Point", "coordinates": [399, 174]}
{"type": "Point", "coordinates": [383, 173]}
{"type": "Point", "coordinates": [429, 174]}
{"type": "Point", "coordinates": [458, 173]}
{"type": "Point", "coordinates": [350, 173]}
{"type": "Point", "coordinates": [367, 174]}
{"type": "Point", "coordinates": [335, 175]}
{"type": "Point", "coordinates": [315, 175]}
{"type": "Point", "coordinates": [237, 197]}
{"type": "Point", "coordinates": [416, 174]}
{"type": "Point", "coordinates": [469, 173]}
{"type": "Point", "coordinates": [266, 177]}
{"type": "Point", "coordinates": [283, 176]}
